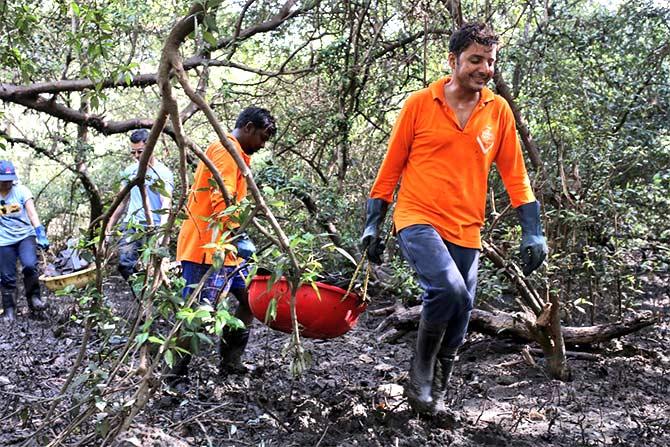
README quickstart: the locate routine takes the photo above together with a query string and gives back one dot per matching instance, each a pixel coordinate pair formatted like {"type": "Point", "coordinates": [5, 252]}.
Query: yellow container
{"type": "Point", "coordinates": [78, 279]}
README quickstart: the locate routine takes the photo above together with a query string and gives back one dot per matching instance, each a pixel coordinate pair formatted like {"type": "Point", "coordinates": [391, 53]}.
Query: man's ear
{"type": "Point", "coordinates": [453, 60]}
{"type": "Point", "coordinates": [249, 128]}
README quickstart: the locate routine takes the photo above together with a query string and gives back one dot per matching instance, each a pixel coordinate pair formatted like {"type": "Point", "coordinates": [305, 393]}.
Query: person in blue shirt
{"type": "Point", "coordinates": [159, 183]}
{"type": "Point", "coordinates": [20, 234]}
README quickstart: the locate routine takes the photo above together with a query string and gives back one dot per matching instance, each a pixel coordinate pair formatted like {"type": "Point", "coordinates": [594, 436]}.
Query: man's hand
{"type": "Point", "coordinates": [533, 243]}
{"type": "Point", "coordinates": [245, 246]}
{"type": "Point", "coordinates": [370, 240]}
{"type": "Point", "coordinates": [533, 252]}
{"type": "Point", "coordinates": [374, 247]}
{"type": "Point", "coordinates": [41, 237]}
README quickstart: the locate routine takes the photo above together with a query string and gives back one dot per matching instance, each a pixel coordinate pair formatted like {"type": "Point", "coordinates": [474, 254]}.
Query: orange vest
{"type": "Point", "coordinates": [443, 169]}
{"type": "Point", "coordinates": [205, 201]}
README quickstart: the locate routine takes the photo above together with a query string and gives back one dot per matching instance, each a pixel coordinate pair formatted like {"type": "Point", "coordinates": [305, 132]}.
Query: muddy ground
{"type": "Point", "coordinates": [352, 394]}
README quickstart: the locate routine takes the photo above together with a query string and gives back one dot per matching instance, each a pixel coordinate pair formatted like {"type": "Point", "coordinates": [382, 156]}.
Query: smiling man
{"type": "Point", "coordinates": [441, 149]}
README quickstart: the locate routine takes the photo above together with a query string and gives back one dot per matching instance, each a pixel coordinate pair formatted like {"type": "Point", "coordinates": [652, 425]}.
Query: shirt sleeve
{"type": "Point", "coordinates": [24, 194]}
{"type": "Point", "coordinates": [509, 161]}
{"type": "Point", "coordinates": [168, 181]}
{"type": "Point", "coordinates": [228, 169]}
{"type": "Point", "coordinates": [397, 153]}
{"type": "Point", "coordinates": [127, 175]}
{"type": "Point", "coordinates": [167, 178]}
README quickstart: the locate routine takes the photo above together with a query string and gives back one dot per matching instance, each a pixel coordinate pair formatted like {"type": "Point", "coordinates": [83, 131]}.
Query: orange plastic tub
{"type": "Point", "coordinates": [326, 315]}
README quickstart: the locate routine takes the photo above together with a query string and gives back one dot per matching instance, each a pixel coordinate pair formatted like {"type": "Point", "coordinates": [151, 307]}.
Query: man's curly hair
{"type": "Point", "coordinates": [476, 32]}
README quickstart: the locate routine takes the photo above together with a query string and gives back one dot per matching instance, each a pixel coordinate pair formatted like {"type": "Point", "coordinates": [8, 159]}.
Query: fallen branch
{"type": "Point", "coordinates": [506, 325]}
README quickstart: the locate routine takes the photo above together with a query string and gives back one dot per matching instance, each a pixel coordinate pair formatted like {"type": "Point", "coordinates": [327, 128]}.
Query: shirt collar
{"type": "Point", "coordinates": [437, 90]}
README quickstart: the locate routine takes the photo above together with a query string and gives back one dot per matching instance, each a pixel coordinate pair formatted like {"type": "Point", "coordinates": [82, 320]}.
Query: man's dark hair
{"type": "Point", "coordinates": [260, 118]}
{"type": "Point", "coordinates": [470, 33]}
{"type": "Point", "coordinates": [139, 135]}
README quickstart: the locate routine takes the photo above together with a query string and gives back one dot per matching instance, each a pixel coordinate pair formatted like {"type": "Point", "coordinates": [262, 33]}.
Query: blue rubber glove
{"type": "Point", "coordinates": [41, 238]}
{"type": "Point", "coordinates": [533, 243]}
{"type": "Point", "coordinates": [245, 246]}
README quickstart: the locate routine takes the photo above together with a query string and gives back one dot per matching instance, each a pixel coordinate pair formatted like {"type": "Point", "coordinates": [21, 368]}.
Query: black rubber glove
{"type": "Point", "coordinates": [370, 241]}
{"type": "Point", "coordinates": [533, 243]}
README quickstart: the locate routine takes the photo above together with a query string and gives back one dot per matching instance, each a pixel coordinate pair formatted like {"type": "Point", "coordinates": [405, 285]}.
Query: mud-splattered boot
{"type": "Point", "coordinates": [232, 346]}
{"type": "Point", "coordinates": [444, 367]}
{"type": "Point", "coordinates": [9, 313]}
{"type": "Point", "coordinates": [419, 391]}
{"type": "Point", "coordinates": [177, 376]}
{"type": "Point", "coordinates": [33, 293]}
{"type": "Point", "coordinates": [36, 304]}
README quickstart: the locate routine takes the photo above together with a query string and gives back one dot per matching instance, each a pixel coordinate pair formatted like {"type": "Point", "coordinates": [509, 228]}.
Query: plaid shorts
{"type": "Point", "coordinates": [219, 282]}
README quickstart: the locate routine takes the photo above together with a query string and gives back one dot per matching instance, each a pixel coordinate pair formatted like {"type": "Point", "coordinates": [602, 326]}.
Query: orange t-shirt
{"type": "Point", "coordinates": [443, 169]}
{"type": "Point", "coordinates": [205, 201]}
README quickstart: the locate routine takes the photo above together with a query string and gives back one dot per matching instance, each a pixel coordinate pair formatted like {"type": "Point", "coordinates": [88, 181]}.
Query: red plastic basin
{"type": "Point", "coordinates": [326, 315]}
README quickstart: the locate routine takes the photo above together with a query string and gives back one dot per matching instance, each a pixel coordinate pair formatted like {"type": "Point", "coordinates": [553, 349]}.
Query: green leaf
{"type": "Point", "coordinates": [156, 340]}
{"type": "Point", "coordinates": [204, 338]}
{"type": "Point", "coordinates": [169, 357]}
{"type": "Point", "coordinates": [201, 313]}
{"type": "Point", "coordinates": [271, 312]}
{"type": "Point", "coordinates": [209, 38]}
{"type": "Point", "coordinates": [341, 251]}
{"type": "Point", "coordinates": [213, 4]}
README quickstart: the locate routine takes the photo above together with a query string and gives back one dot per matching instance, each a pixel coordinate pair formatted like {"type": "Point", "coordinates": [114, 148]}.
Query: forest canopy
{"type": "Point", "coordinates": [588, 81]}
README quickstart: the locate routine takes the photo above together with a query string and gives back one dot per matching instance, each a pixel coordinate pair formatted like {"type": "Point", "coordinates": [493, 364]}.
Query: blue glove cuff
{"type": "Point", "coordinates": [532, 239]}
{"type": "Point", "coordinates": [41, 232]}
{"type": "Point", "coordinates": [529, 218]}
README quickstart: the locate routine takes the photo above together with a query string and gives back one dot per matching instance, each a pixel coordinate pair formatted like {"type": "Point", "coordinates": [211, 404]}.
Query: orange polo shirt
{"type": "Point", "coordinates": [205, 202]}
{"type": "Point", "coordinates": [443, 169]}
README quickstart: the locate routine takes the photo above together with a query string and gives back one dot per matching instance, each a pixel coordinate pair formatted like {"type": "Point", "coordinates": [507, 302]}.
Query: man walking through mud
{"type": "Point", "coordinates": [441, 149]}
{"type": "Point", "coordinates": [159, 183]}
{"type": "Point", "coordinates": [205, 225]}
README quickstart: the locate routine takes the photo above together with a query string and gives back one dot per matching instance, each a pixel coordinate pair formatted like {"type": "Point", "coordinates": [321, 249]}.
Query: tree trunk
{"type": "Point", "coordinates": [515, 327]}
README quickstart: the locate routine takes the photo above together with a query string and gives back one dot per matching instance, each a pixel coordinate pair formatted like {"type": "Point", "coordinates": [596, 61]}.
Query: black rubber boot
{"type": "Point", "coordinates": [177, 376]}
{"type": "Point", "coordinates": [444, 367]}
{"type": "Point", "coordinates": [126, 272]}
{"type": "Point", "coordinates": [36, 304]}
{"type": "Point", "coordinates": [420, 388]}
{"type": "Point", "coordinates": [9, 313]}
{"type": "Point", "coordinates": [232, 346]}
{"type": "Point", "coordinates": [32, 285]}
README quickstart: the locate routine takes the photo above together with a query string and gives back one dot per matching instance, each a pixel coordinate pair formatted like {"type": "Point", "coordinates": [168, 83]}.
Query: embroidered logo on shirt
{"type": "Point", "coordinates": [486, 139]}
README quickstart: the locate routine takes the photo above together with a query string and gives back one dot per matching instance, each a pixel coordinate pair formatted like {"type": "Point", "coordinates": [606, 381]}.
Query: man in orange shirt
{"type": "Point", "coordinates": [441, 149]}
{"type": "Point", "coordinates": [206, 223]}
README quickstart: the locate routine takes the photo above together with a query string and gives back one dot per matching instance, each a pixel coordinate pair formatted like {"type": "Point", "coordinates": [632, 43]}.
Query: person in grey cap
{"type": "Point", "coordinates": [20, 234]}
{"type": "Point", "coordinates": [158, 187]}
